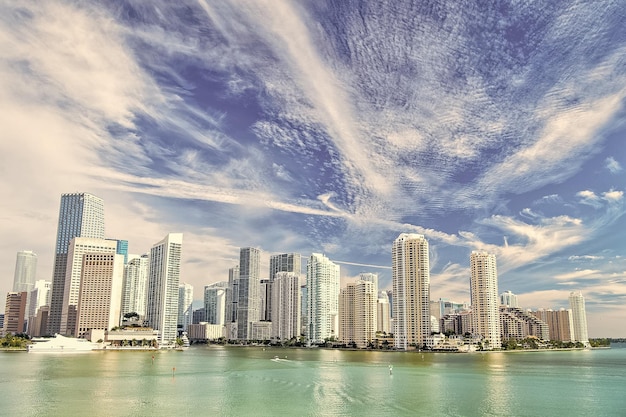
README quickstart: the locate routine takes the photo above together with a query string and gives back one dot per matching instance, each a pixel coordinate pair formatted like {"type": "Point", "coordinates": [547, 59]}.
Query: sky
{"type": "Point", "coordinates": [328, 127]}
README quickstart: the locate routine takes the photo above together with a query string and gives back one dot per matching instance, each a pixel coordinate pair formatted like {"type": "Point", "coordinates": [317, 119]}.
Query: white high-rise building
{"type": "Point", "coordinates": [249, 288]}
{"type": "Point", "coordinates": [215, 303]}
{"type": "Point", "coordinates": [163, 281]}
{"type": "Point", "coordinates": [79, 247]}
{"type": "Point", "coordinates": [80, 215]}
{"type": "Point", "coordinates": [284, 262]}
{"type": "Point", "coordinates": [185, 305]}
{"type": "Point", "coordinates": [135, 291]}
{"type": "Point", "coordinates": [232, 296]}
{"type": "Point", "coordinates": [100, 295]}
{"type": "Point", "coordinates": [579, 317]}
{"type": "Point", "coordinates": [322, 282]}
{"type": "Point", "coordinates": [509, 299]}
{"type": "Point", "coordinates": [484, 296]}
{"type": "Point", "coordinates": [25, 271]}
{"type": "Point", "coordinates": [383, 322]}
{"type": "Point", "coordinates": [286, 306]}
{"type": "Point", "coordinates": [370, 277]}
{"type": "Point", "coordinates": [357, 313]}
{"type": "Point", "coordinates": [411, 290]}
{"type": "Point", "coordinates": [39, 296]}
{"type": "Point", "coordinates": [25, 275]}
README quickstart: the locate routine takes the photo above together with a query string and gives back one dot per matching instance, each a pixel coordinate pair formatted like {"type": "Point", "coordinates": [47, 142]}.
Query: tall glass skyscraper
{"type": "Point", "coordinates": [80, 215]}
{"type": "Point", "coordinates": [485, 301]}
{"type": "Point", "coordinates": [322, 282]}
{"type": "Point", "coordinates": [248, 304]}
{"type": "Point", "coordinates": [25, 271]}
{"type": "Point", "coordinates": [163, 282]}
{"type": "Point", "coordinates": [579, 317]}
{"type": "Point", "coordinates": [411, 290]}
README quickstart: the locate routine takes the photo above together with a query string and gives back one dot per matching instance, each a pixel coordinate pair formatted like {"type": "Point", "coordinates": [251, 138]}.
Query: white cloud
{"type": "Point", "coordinates": [612, 165]}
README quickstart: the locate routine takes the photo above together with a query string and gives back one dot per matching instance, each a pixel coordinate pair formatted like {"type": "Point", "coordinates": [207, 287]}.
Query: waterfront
{"type": "Point", "coordinates": [237, 381]}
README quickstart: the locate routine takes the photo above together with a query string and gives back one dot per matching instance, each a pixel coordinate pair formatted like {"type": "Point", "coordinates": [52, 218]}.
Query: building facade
{"type": "Point", "coordinates": [215, 305]}
{"type": "Point", "coordinates": [286, 306]}
{"type": "Point", "coordinates": [383, 313]}
{"type": "Point", "coordinates": [411, 290]}
{"type": "Point", "coordinates": [135, 290]}
{"type": "Point", "coordinates": [100, 296]}
{"type": "Point", "coordinates": [322, 283]}
{"type": "Point", "coordinates": [80, 215]}
{"type": "Point", "coordinates": [25, 271]}
{"type": "Point", "coordinates": [14, 312]}
{"type": "Point", "coordinates": [249, 287]}
{"type": "Point", "coordinates": [79, 247]}
{"type": "Point", "coordinates": [484, 296]}
{"type": "Point", "coordinates": [163, 281]}
{"type": "Point", "coordinates": [357, 313]}
{"type": "Point", "coordinates": [579, 317]}
{"type": "Point", "coordinates": [560, 323]}
{"type": "Point", "coordinates": [185, 306]}
{"type": "Point", "coordinates": [509, 299]}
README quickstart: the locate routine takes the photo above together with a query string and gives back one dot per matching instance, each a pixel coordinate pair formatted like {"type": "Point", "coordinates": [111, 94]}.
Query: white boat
{"type": "Point", "coordinates": [61, 344]}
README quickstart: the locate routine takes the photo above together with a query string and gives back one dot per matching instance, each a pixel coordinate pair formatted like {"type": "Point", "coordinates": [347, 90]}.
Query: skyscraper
{"type": "Point", "coordinates": [484, 296]}
{"type": "Point", "coordinates": [134, 295]}
{"type": "Point", "coordinates": [383, 312]}
{"type": "Point", "coordinates": [357, 313]}
{"type": "Point", "coordinates": [25, 271]}
{"type": "Point", "coordinates": [284, 262]}
{"type": "Point", "coordinates": [508, 299]}
{"type": "Point", "coordinates": [249, 288]}
{"type": "Point", "coordinates": [80, 215]}
{"type": "Point", "coordinates": [286, 306]}
{"type": "Point", "coordinates": [185, 305]}
{"type": "Point", "coordinates": [579, 317]}
{"type": "Point", "coordinates": [215, 305]}
{"type": "Point", "coordinates": [100, 295]}
{"type": "Point", "coordinates": [14, 312]}
{"type": "Point", "coordinates": [25, 274]}
{"type": "Point", "coordinates": [322, 282]}
{"type": "Point", "coordinates": [163, 281]}
{"type": "Point", "coordinates": [411, 290]}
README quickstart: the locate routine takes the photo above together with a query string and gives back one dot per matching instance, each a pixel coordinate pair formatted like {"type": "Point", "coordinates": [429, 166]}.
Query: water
{"type": "Point", "coordinates": [236, 381]}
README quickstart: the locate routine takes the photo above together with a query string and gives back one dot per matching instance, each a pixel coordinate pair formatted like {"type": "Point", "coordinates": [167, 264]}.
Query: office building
{"type": "Point", "coordinates": [322, 282]}
{"type": "Point", "coordinates": [508, 299]}
{"type": "Point", "coordinates": [232, 296]}
{"type": "Point", "coordinates": [249, 287]}
{"type": "Point", "coordinates": [185, 306]}
{"type": "Point", "coordinates": [284, 262]}
{"type": "Point", "coordinates": [411, 291]}
{"type": "Point", "coordinates": [357, 313]}
{"type": "Point", "coordinates": [579, 317]}
{"type": "Point", "coordinates": [135, 290]}
{"type": "Point", "coordinates": [80, 215]}
{"type": "Point", "coordinates": [286, 312]}
{"type": "Point", "coordinates": [25, 271]}
{"type": "Point", "coordinates": [215, 304]}
{"type": "Point", "coordinates": [484, 296]}
{"type": "Point", "coordinates": [14, 312]}
{"type": "Point", "coordinates": [100, 295]}
{"type": "Point", "coordinates": [163, 282]}
{"type": "Point", "coordinates": [383, 313]}
{"type": "Point", "coordinates": [79, 247]}
{"type": "Point", "coordinates": [38, 298]}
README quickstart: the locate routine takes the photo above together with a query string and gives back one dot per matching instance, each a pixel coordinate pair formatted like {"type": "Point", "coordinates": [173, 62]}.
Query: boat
{"type": "Point", "coordinates": [61, 344]}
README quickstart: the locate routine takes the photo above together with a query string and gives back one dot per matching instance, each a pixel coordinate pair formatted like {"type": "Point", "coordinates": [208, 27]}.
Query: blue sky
{"type": "Point", "coordinates": [313, 126]}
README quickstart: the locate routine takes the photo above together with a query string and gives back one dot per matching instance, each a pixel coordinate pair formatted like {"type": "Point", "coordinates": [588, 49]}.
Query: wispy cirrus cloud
{"type": "Point", "coordinates": [612, 165]}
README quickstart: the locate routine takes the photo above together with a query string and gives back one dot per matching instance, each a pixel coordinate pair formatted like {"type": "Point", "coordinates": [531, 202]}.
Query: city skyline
{"type": "Point", "coordinates": [327, 128]}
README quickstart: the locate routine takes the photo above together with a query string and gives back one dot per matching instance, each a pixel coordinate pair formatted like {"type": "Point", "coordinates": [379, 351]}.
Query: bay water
{"type": "Point", "coordinates": [256, 381]}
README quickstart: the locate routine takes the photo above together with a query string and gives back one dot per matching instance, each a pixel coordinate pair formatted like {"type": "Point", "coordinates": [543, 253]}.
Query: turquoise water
{"type": "Point", "coordinates": [313, 382]}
